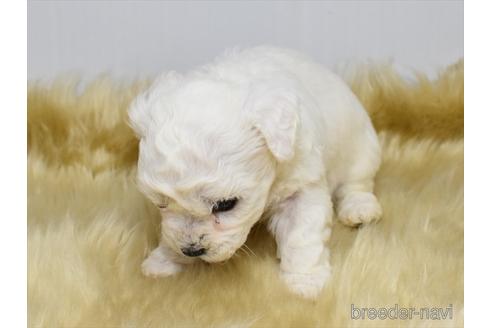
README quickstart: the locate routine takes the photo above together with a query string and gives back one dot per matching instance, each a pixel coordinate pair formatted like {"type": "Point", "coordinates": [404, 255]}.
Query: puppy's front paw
{"type": "Point", "coordinates": [307, 285]}
{"type": "Point", "coordinates": [357, 208]}
{"type": "Point", "coordinates": [159, 265]}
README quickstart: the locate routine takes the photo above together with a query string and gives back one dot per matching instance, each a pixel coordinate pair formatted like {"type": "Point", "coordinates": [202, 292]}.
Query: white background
{"type": "Point", "coordinates": [138, 39]}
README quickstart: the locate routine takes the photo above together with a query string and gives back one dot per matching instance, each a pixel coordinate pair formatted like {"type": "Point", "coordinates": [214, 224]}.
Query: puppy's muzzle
{"type": "Point", "coordinates": [193, 250]}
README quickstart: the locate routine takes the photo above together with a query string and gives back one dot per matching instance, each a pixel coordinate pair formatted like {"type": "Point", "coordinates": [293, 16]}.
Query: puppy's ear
{"type": "Point", "coordinates": [147, 107]}
{"type": "Point", "coordinates": [273, 111]}
{"type": "Point", "coordinates": [138, 114]}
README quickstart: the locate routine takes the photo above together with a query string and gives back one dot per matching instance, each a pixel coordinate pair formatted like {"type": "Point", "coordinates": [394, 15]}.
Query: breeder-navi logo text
{"type": "Point", "coordinates": [401, 313]}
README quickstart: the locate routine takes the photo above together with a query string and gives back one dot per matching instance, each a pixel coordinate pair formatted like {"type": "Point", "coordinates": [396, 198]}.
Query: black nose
{"type": "Point", "coordinates": [193, 251]}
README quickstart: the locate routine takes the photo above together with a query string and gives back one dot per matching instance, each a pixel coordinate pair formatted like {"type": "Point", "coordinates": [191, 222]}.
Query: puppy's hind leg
{"type": "Point", "coordinates": [357, 204]}
{"type": "Point", "coordinates": [355, 201]}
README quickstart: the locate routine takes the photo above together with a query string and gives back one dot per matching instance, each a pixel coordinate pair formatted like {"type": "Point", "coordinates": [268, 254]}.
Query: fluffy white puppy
{"type": "Point", "coordinates": [263, 133]}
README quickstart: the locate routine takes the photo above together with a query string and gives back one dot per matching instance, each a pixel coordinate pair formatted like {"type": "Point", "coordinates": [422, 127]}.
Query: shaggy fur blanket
{"type": "Point", "coordinates": [89, 228]}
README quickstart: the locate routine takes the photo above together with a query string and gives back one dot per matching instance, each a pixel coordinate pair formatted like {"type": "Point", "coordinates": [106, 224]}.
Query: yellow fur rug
{"type": "Point", "coordinates": [89, 228]}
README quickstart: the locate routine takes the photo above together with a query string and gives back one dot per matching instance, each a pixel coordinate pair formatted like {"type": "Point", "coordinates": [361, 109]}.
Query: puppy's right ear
{"type": "Point", "coordinates": [273, 111]}
{"type": "Point", "coordinates": [146, 109]}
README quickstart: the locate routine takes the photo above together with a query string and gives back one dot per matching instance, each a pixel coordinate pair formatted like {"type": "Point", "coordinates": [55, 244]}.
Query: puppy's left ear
{"type": "Point", "coordinates": [273, 111]}
{"type": "Point", "coordinates": [147, 109]}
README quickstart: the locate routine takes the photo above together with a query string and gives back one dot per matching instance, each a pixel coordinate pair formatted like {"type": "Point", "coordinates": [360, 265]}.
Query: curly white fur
{"type": "Point", "coordinates": [272, 128]}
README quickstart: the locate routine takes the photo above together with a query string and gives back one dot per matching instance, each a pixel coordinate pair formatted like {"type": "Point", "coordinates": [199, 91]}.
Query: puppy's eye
{"type": "Point", "coordinates": [162, 205]}
{"type": "Point", "coordinates": [224, 205]}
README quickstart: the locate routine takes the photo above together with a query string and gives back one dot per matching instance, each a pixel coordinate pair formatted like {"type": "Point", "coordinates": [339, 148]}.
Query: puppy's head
{"type": "Point", "coordinates": [208, 155]}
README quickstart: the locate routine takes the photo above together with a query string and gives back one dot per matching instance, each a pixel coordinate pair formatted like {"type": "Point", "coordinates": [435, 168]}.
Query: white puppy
{"type": "Point", "coordinates": [263, 133]}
